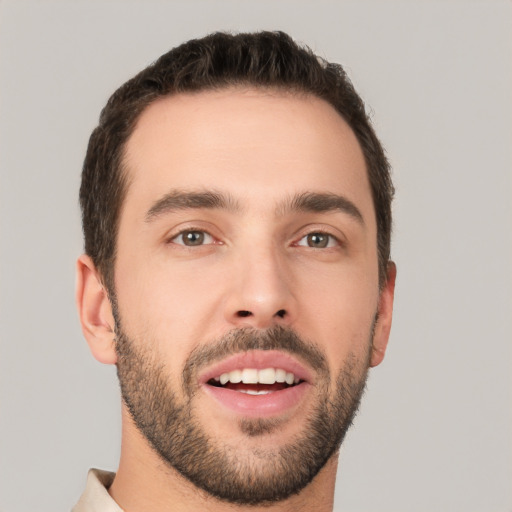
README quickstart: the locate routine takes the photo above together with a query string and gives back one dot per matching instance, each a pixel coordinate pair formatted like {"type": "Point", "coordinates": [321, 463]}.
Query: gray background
{"type": "Point", "coordinates": [434, 433]}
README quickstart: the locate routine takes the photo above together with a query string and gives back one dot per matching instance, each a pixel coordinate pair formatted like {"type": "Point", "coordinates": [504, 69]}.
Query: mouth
{"type": "Point", "coordinates": [257, 383]}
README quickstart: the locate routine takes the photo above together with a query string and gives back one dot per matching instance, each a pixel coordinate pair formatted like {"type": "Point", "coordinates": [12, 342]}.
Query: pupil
{"type": "Point", "coordinates": [194, 238]}
{"type": "Point", "coordinates": [317, 240]}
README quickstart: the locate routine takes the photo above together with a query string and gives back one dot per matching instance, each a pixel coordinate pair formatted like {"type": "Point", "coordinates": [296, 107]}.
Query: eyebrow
{"type": "Point", "coordinates": [314, 202]}
{"type": "Point", "coordinates": [180, 200]}
{"type": "Point", "coordinates": [321, 203]}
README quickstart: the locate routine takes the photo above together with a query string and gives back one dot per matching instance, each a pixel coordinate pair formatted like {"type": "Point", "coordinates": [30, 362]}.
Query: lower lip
{"type": "Point", "coordinates": [259, 406]}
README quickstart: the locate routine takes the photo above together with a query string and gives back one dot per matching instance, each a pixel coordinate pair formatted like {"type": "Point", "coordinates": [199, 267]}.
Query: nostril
{"type": "Point", "coordinates": [244, 314]}
{"type": "Point", "coordinates": [281, 313]}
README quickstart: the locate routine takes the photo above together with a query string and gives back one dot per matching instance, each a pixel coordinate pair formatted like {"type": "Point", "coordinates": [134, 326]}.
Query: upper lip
{"type": "Point", "coordinates": [258, 359]}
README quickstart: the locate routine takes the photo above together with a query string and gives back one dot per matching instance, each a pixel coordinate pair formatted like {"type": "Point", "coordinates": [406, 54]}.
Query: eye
{"type": "Point", "coordinates": [318, 240]}
{"type": "Point", "coordinates": [192, 238]}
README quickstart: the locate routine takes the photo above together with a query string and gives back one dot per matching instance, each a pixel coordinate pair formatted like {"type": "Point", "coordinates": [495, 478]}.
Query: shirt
{"type": "Point", "coordinates": [96, 497]}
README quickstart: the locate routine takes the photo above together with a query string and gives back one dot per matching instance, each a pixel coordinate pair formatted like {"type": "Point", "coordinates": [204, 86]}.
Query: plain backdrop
{"type": "Point", "coordinates": [435, 429]}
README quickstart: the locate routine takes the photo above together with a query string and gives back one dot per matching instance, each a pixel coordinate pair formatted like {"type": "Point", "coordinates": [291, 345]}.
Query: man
{"type": "Point", "coordinates": [237, 219]}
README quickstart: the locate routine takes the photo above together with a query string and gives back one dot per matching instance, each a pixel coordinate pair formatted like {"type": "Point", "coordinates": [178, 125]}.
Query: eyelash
{"type": "Point", "coordinates": [332, 241]}
{"type": "Point", "coordinates": [191, 230]}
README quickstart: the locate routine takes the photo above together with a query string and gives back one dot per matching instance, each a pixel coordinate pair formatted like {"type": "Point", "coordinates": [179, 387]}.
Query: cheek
{"type": "Point", "coordinates": [340, 312]}
{"type": "Point", "coordinates": [172, 306]}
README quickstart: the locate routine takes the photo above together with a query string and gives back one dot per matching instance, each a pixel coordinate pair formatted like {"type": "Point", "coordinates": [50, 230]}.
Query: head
{"type": "Point", "coordinates": [236, 211]}
{"type": "Point", "coordinates": [266, 60]}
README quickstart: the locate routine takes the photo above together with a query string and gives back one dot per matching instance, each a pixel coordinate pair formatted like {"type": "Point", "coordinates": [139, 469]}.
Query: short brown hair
{"type": "Point", "coordinates": [219, 60]}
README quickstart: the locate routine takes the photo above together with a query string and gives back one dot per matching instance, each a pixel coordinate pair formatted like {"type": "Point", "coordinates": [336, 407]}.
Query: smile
{"type": "Point", "coordinates": [257, 383]}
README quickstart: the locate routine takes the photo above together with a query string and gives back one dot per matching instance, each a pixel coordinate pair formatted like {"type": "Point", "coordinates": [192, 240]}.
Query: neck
{"type": "Point", "coordinates": [144, 482]}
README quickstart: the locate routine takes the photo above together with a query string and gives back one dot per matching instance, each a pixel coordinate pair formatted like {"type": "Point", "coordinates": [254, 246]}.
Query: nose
{"type": "Point", "coordinates": [261, 294]}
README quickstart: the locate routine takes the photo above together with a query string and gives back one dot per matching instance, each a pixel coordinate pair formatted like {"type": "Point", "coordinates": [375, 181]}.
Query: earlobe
{"type": "Point", "coordinates": [95, 311]}
{"type": "Point", "coordinates": [385, 316]}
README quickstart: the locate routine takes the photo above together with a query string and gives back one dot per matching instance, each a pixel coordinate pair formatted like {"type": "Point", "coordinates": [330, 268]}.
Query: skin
{"type": "Point", "coordinates": [261, 148]}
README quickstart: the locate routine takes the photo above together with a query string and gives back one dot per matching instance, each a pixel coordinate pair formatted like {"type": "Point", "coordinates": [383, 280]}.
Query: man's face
{"type": "Point", "coordinates": [246, 250]}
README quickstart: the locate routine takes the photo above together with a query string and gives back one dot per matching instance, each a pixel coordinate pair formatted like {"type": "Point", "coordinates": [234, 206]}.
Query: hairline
{"type": "Point", "coordinates": [240, 85]}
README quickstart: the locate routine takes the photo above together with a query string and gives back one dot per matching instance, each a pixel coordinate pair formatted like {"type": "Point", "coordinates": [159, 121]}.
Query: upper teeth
{"type": "Point", "coordinates": [254, 376]}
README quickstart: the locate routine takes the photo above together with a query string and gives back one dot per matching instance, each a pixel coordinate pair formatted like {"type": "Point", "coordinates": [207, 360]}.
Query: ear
{"type": "Point", "coordinates": [95, 311]}
{"type": "Point", "coordinates": [385, 315]}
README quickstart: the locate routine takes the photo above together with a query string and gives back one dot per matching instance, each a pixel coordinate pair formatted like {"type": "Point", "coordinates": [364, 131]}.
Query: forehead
{"type": "Point", "coordinates": [250, 142]}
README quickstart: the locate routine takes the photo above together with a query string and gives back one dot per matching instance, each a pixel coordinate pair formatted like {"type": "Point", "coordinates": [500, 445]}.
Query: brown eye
{"type": "Point", "coordinates": [193, 238]}
{"type": "Point", "coordinates": [318, 241]}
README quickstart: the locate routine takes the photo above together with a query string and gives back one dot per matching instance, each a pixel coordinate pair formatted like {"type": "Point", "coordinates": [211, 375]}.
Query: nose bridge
{"type": "Point", "coordinates": [260, 296]}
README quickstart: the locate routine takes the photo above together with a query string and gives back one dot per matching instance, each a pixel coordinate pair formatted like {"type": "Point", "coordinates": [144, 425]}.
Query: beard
{"type": "Point", "coordinates": [165, 416]}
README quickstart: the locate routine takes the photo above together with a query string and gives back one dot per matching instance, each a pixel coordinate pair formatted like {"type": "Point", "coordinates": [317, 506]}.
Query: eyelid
{"type": "Point", "coordinates": [175, 234]}
{"type": "Point", "coordinates": [328, 230]}
{"type": "Point", "coordinates": [337, 241]}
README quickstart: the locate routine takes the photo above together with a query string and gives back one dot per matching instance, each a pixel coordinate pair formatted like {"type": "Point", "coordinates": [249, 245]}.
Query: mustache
{"type": "Point", "coordinates": [243, 340]}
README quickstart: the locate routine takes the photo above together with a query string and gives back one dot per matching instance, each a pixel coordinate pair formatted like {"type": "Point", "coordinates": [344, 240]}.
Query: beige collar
{"type": "Point", "coordinates": [96, 497]}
